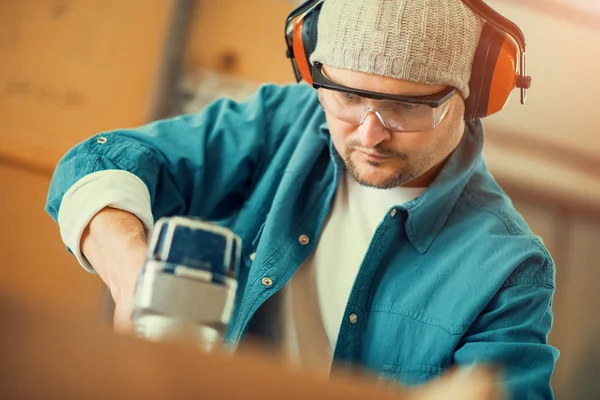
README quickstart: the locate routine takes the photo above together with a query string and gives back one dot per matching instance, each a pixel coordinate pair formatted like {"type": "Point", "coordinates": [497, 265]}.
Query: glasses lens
{"type": "Point", "coordinates": [398, 116]}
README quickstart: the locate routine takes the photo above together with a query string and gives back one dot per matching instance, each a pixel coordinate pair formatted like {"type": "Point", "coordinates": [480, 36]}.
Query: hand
{"type": "Point", "coordinates": [130, 265]}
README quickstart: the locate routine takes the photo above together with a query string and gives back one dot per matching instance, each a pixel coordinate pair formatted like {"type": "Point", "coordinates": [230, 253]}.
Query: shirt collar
{"type": "Point", "coordinates": [428, 213]}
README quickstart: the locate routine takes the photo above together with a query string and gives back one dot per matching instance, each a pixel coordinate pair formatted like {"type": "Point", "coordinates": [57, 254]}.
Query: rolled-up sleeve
{"type": "Point", "coordinates": [109, 188]}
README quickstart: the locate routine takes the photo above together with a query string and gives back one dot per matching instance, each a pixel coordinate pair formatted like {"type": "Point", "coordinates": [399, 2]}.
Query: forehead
{"type": "Point", "coordinates": [379, 84]}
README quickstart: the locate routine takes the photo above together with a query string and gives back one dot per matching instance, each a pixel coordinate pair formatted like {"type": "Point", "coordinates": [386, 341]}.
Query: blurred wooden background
{"type": "Point", "coordinates": [69, 69]}
{"type": "Point", "coordinates": [72, 68]}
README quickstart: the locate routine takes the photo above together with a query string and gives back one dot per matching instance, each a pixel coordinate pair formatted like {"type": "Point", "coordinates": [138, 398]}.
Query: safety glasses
{"type": "Point", "coordinates": [396, 113]}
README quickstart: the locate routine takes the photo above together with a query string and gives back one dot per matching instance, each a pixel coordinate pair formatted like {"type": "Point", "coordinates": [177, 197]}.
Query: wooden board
{"type": "Point", "coordinates": [240, 37]}
{"type": "Point", "coordinates": [71, 68]}
{"type": "Point", "coordinates": [579, 323]}
{"type": "Point", "coordinates": [35, 265]}
{"type": "Point", "coordinates": [48, 354]}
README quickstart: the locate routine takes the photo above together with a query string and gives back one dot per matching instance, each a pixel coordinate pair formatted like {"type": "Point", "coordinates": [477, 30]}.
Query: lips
{"type": "Point", "coordinates": [373, 156]}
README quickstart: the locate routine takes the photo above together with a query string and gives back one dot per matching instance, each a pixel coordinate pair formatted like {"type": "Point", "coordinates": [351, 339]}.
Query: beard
{"type": "Point", "coordinates": [450, 133]}
{"type": "Point", "coordinates": [385, 180]}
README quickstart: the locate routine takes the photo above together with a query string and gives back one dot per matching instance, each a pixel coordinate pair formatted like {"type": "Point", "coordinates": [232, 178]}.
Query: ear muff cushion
{"type": "Point", "coordinates": [299, 54]}
{"type": "Point", "coordinates": [482, 72]}
{"type": "Point", "coordinates": [310, 32]}
{"type": "Point", "coordinates": [305, 41]}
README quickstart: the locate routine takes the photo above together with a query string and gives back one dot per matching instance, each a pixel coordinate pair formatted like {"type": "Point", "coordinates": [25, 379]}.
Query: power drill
{"type": "Point", "coordinates": [187, 288]}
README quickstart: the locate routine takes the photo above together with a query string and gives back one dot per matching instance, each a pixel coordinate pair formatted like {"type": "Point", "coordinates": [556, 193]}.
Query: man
{"type": "Point", "coordinates": [373, 234]}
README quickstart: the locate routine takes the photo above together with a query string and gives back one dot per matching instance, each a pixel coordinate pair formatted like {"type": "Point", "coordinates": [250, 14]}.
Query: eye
{"type": "Point", "coordinates": [408, 106]}
{"type": "Point", "coordinates": [349, 97]}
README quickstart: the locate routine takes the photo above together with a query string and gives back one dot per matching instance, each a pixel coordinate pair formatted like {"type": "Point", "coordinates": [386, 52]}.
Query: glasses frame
{"type": "Point", "coordinates": [435, 100]}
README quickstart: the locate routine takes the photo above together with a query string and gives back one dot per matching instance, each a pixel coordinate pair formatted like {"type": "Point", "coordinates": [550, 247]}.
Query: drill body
{"type": "Point", "coordinates": [187, 288]}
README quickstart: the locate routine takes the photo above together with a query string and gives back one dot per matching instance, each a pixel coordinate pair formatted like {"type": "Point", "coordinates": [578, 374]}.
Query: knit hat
{"type": "Point", "coordinates": [424, 41]}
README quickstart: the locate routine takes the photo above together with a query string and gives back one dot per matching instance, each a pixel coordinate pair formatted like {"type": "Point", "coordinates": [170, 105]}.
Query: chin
{"type": "Point", "coordinates": [377, 175]}
{"type": "Point", "coordinates": [374, 183]}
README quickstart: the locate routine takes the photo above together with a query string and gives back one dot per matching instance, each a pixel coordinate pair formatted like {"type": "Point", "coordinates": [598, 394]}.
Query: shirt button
{"type": "Point", "coordinates": [102, 140]}
{"type": "Point", "coordinates": [353, 318]}
{"type": "Point", "coordinates": [266, 281]}
{"type": "Point", "coordinates": [393, 213]}
{"type": "Point", "coordinates": [252, 256]}
{"type": "Point", "coordinates": [303, 239]}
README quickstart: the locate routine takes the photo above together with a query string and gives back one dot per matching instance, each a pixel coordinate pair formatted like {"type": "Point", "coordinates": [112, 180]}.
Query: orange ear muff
{"type": "Point", "coordinates": [494, 73]}
{"type": "Point", "coordinates": [505, 75]}
{"type": "Point", "coordinates": [300, 52]}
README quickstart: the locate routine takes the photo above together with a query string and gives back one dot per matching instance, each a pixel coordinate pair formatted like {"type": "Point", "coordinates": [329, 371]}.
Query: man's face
{"type": "Point", "coordinates": [384, 159]}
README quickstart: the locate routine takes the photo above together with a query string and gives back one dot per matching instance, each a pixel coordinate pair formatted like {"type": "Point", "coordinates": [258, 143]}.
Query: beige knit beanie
{"type": "Point", "coordinates": [425, 41]}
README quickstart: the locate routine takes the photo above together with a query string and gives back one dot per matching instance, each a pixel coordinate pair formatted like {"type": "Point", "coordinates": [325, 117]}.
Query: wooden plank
{"type": "Point", "coordinates": [72, 68]}
{"type": "Point", "coordinates": [578, 297]}
{"type": "Point", "coordinates": [48, 353]}
{"type": "Point", "coordinates": [240, 37]}
{"type": "Point", "coordinates": [35, 263]}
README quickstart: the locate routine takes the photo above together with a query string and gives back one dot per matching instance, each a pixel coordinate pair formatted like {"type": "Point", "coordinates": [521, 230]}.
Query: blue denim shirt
{"type": "Point", "coordinates": [452, 277]}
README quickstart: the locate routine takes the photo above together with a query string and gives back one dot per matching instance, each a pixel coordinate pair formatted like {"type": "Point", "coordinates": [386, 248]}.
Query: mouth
{"type": "Point", "coordinates": [376, 157]}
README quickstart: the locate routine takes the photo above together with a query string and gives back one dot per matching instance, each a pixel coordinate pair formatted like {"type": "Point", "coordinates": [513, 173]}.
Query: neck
{"type": "Point", "coordinates": [427, 178]}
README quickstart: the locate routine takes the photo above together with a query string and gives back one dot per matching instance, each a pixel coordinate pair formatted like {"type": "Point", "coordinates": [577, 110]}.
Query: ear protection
{"type": "Point", "coordinates": [499, 65]}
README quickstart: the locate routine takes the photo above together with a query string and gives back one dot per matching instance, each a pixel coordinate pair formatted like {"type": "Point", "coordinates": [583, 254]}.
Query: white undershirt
{"type": "Point", "coordinates": [316, 296]}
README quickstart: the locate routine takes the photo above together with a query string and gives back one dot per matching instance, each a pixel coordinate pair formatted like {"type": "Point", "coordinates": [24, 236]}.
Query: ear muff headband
{"type": "Point", "coordinates": [498, 66]}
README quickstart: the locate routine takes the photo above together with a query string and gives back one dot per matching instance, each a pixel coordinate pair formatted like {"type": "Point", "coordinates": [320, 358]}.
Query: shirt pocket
{"type": "Point", "coordinates": [408, 375]}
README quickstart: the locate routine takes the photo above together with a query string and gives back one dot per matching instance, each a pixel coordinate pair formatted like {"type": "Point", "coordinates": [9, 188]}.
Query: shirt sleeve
{"type": "Point", "coordinates": [90, 194]}
{"type": "Point", "coordinates": [512, 333]}
{"type": "Point", "coordinates": [204, 164]}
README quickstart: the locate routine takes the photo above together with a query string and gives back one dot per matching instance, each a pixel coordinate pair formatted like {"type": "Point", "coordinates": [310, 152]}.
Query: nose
{"type": "Point", "coordinates": [372, 132]}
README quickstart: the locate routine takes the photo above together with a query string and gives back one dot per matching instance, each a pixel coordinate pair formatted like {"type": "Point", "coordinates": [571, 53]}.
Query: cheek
{"type": "Point", "coordinates": [453, 127]}
{"type": "Point", "coordinates": [413, 142]}
{"type": "Point", "coordinates": [340, 132]}
{"type": "Point", "coordinates": [445, 137]}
